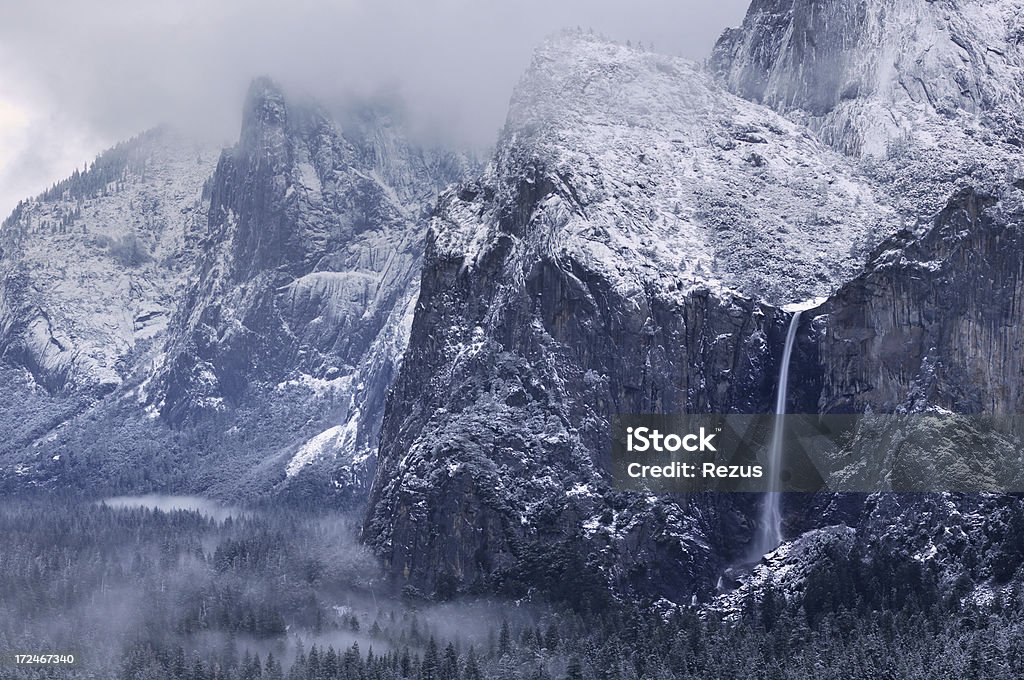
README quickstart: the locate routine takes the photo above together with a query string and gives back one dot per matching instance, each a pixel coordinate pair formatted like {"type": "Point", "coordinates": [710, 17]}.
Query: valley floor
{"type": "Point", "coordinates": [164, 587]}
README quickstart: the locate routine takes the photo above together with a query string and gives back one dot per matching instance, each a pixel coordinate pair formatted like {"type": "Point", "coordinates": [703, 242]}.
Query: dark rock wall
{"type": "Point", "coordinates": [934, 320]}
{"type": "Point", "coordinates": [494, 454]}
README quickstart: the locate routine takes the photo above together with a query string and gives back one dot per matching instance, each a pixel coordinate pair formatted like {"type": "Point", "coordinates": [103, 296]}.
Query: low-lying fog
{"type": "Point", "coordinates": [167, 503]}
{"type": "Point", "coordinates": [134, 582]}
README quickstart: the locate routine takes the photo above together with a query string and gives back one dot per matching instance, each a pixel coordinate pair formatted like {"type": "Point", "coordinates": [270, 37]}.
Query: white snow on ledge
{"type": "Point", "coordinates": [330, 442]}
{"type": "Point", "coordinates": [804, 305]}
{"type": "Point", "coordinates": [315, 448]}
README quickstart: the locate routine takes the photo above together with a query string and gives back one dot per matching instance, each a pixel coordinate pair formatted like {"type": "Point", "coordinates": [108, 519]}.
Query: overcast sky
{"type": "Point", "coordinates": [76, 76]}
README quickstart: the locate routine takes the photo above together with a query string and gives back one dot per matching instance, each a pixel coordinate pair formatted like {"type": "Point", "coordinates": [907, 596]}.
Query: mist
{"type": "Point", "coordinates": [79, 76]}
{"type": "Point", "coordinates": [124, 583]}
{"type": "Point", "coordinates": [166, 503]}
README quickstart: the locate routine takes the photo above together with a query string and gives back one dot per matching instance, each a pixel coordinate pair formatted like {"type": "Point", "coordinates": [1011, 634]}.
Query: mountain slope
{"type": "Point", "coordinates": [866, 74]}
{"type": "Point", "coordinates": [239, 341]}
{"type": "Point", "coordinates": [93, 267]}
{"type": "Point", "coordinates": [615, 258]}
{"type": "Point", "coordinates": [927, 96]}
{"type": "Point", "coordinates": [630, 249]}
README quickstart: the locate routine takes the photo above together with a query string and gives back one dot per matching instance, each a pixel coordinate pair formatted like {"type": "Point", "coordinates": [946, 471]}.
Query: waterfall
{"type": "Point", "coordinates": [769, 530]}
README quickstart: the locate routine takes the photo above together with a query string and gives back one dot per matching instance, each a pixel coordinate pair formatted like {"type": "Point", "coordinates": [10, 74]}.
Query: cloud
{"type": "Point", "coordinates": [87, 74]}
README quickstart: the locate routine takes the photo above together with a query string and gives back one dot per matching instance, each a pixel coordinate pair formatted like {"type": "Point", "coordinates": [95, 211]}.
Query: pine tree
{"type": "Point", "coordinates": [504, 640]}
{"type": "Point", "coordinates": [329, 667]}
{"type": "Point", "coordinates": [272, 669]}
{"type": "Point", "coordinates": [405, 664]}
{"type": "Point", "coordinates": [198, 669]}
{"type": "Point", "coordinates": [430, 667]}
{"type": "Point", "coordinates": [472, 669]}
{"type": "Point", "coordinates": [551, 637]}
{"type": "Point", "coordinates": [450, 663]}
{"type": "Point", "coordinates": [574, 670]}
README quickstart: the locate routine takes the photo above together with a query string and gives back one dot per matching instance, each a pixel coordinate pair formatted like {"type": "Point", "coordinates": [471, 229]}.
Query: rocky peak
{"type": "Point", "coordinates": [654, 172]}
{"type": "Point", "coordinates": [310, 272]}
{"type": "Point", "coordinates": [867, 74]}
{"type": "Point", "coordinates": [265, 112]}
{"type": "Point", "coordinates": [606, 262]}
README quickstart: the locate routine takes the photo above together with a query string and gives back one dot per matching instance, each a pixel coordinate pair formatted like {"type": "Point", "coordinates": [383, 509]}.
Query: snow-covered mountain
{"type": "Point", "coordinates": [330, 301]}
{"type": "Point", "coordinates": [93, 268]}
{"type": "Point", "coordinates": [927, 93]}
{"type": "Point", "coordinates": [213, 288]}
{"type": "Point", "coordinates": [628, 251]}
{"type": "Point", "coordinates": [927, 96]}
{"type": "Point", "coordinates": [310, 267]}
{"type": "Point", "coordinates": [619, 255]}
{"type": "Point", "coordinates": [653, 164]}
{"type": "Point", "coordinates": [872, 74]}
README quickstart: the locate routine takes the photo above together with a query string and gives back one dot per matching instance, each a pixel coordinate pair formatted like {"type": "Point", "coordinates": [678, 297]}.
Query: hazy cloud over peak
{"type": "Point", "coordinates": [76, 77]}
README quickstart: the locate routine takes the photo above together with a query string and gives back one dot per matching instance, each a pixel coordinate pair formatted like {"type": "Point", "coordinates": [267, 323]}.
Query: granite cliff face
{"type": "Point", "coordinates": [866, 75]}
{"type": "Point", "coordinates": [587, 274]}
{"type": "Point", "coordinates": [927, 97]}
{"type": "Point", "coordinates": [631, 247]}
{"type": "Point", "coordinates": [609, 261]}
{"type": "Point", "coordinates": [934, 320]}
